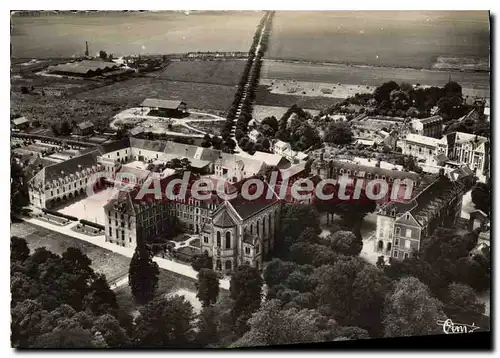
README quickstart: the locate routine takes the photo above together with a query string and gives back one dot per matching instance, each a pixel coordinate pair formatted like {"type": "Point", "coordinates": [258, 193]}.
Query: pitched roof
{"type": "Point", "coordinates": [269, 158]}
{"type": "Point", "coordinates": [247, 163]}
{"type": "Point", "coordinates": [248, 208]}
{"type": "Point", "coordinates": [224, 220]}
{"type": "Point", "coordinates": [114, 146]}
{"type": "Point", "coordinates": [20, 120]}
{"type": "Point", "coordinates": [85, 125]}
{"type": "Point", "coordinates": [433, 119]}
{"type": "Point", "coordinates": [423, 140]}
{"type": "Point", "coordinates": [73, 165]}
{"type": "Point", "coordinates": [161, 103]}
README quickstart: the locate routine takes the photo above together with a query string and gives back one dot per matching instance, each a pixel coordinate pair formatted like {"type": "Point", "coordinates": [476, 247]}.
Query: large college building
{"type": "Point", "coordinates": [234, 231]}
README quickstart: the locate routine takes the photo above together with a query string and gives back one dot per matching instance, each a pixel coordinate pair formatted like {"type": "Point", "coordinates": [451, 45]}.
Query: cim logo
{"type": "Point", "coordinates": [449, 327]}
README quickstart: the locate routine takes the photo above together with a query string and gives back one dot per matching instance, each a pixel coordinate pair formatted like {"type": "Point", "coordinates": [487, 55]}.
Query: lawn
{"type": "Point", "coordinates": [111, 264]}
{"type": "Point", "coordinates": [222, 72]}
{"type": "Point", "coordinates": [261, 112]}
{"type": "Point", "coordinates": [211, 127]}
{"type": "Point", "coordinates": [132, 92]}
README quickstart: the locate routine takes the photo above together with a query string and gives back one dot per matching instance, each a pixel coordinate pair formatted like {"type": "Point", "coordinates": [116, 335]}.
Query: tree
{"type": "Point", "coordinates": [346, 243]}
{"type": "Point", "coordinates": [481, 197]}
{"type": "Point", "coordinates": [272, 325]}
{"type": "Point", "coordinates": [352, 292]}
{"type": "Point", "coordinates": [143, 275]}
{"type": "Point", "coordinates": [246, 291]}
{"type": "Point", "coordinates": [103, 55]}
{"type": "Point", "coordinates": [207, 286]}
{"type": "Point", "coordinates": [411, 310]}
{"type": "Point", "coordinates": [271, 122]}
{"type": "Point", "coordinates": [164, 322]}
{"type": "Point", "coordinates": [291, 227]}
{"type": "Point", "coordinates": [461, 302]}
{"type": "Point", "coordinates": [101, 299]}
{"type": "Point", "coordinates": [338, 133]}
{"type": "Point", "coordinates": [278, 271]}
{"type": "Point", "coordinates": [207, 332]}
{"type": "Point", "coordinates": [207, 142]}
{"type": "Point", "coordinates": [111, 331]}
{"type": "Point", "coordinates": [383, 92]}
{"type": "Point", "coordinates": [202, 261]}
{"type": "Point", "coordinates": [19, 250]}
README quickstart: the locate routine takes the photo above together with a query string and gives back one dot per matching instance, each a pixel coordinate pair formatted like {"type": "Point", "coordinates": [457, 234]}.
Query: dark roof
{"type": "Point", "coordinates": [224, 220]}
{"type": "Point", "coordinates": [85, 125]}
{"type": "Point", "coordinates": [247, 209]}
{"type": "Point", "coordinates": [73, 165]}
{"type": "Point", "coordinates": [122, 201]}
{"type": "Point", "coordinates": [432, 119]}
{"type": "Point", "coordinates": [114, 146]}
{"type": "Point", "coordinates": [161, 103]}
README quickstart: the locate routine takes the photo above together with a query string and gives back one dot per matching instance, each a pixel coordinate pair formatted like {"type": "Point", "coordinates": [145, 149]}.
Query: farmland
{"type": "Point", "coordinates": [381, 38]}
{"type": "Point", "coordinates": [132, 92]}
{"type": "Point", "coordinates": [222, 72]}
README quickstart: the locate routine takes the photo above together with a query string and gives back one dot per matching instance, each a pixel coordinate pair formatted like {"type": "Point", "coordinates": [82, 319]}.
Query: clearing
{"type": "Point", "coordinates": [222, 72]}
{"type": "Point", "coordinates": [261, 112]}
{"type": "Point", "coordinates": [132, 92]}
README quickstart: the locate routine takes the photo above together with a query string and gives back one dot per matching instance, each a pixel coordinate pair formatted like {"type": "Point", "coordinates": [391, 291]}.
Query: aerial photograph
{"type": "Point", "coordinates": [243, 179]}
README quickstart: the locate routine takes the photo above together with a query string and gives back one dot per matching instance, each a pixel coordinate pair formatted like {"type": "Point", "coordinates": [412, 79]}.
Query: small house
{"type": "Point", "coordinates": [84, 128]}
{"type": "Point", "coordinates": [20, 123]}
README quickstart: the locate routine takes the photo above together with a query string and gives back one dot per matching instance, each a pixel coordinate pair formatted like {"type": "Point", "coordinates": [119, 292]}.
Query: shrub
{"type": "Point", "coordinates": [90, 223]}
{"type": "Point", "coordinates": [55, 213]}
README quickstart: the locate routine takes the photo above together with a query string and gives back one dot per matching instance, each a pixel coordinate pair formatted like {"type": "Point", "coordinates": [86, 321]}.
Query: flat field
{"type": "Point", "coordinates": [416, 39]}
{"type": "Point", "coordinates": [222, 72]}
{"type": "Point", "coordinates": [369, 76]}
{"type": "Point", "coordinates": [111, 264]}
{"type": "Point", "coordinates": [120, 33]}
{"type": "Point", "coordinates": [132, 92]}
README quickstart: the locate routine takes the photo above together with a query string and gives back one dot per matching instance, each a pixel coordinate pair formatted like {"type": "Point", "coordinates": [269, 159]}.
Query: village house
{"type": "Point", "coordinates": [469, 149]}
{"type": "Point", "coordinates": [428, 127]}
{"type": "Point", "coordinates": [166, 108]}
{"type": "Point", "coordinates": [402, 226]}
{"type": "Point", "coordinates": [20, 123]}
{"type": "Point", "coordinates": [84, 128]}
{"type": "Point", "coordinates": [423, 147]}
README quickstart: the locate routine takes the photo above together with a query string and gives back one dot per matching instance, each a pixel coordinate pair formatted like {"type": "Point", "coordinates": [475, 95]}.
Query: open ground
{"type": "Point", "coordinates": [132, 92]}
{"type": "Point", "coordinates": [222, 72]}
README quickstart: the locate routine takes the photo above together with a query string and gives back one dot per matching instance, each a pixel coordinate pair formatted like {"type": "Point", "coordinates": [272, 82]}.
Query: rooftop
{"type": "Point", "coordinates": [423, 140]}
{"type": "Point", "coordinates": [162, 103]}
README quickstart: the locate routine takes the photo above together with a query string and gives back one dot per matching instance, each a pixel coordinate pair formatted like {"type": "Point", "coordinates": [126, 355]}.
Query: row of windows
{"type": "Point", "coordinates": [396, 254]}
{"type": "Point", "coordinates": [118, 235]}
{"type": "Point", "coordinates": [407, 243]}
{"type": "Point", "coordinates": [407, 233]}
{"type": "Point", "coordinates": [68, 187]}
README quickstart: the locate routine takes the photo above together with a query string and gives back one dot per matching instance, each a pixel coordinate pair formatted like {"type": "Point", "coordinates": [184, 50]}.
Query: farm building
{"type": "Point", "coordinates": [20, 123]}
{"type": "Point", "coordinates": [85, 68]}
{"type": "Point", "coordinates": [166, 108]}
{"type": "Point", "coordinates": [84, 128]}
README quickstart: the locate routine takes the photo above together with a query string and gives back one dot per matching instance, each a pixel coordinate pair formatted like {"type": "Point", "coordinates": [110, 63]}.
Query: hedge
{"type": "Point", "coordinates": [56, 213]}
{"type": "Point", "coordinates": [90, 223]}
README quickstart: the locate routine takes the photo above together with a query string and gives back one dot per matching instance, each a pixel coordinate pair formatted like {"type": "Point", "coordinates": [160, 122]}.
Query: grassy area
{"type": "Point", "coordinates": [222, 72]}
{"type": "Point", "coordinates": [266, 98]}
{"type": "Point", "coordinates": [113, 265]}
{"type": "Point", "coordinates": [132, 92]}
{"type": "Point", "coordinates": [211, 127]}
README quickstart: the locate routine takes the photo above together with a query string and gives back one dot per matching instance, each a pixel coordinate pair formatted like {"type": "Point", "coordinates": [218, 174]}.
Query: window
{"type": "Point", "coordinates": [408, 233]}
{"type": "Point", "coordinates": [129, 224]}
{"type": "Point", "coordinates": [117, 235]}
{"type": "Point", "coordinates": [247, 250]}
{"type": "Point", "coordinates": [251, 229]}
{"type": "Point", "coordinates": [396, 242]}
{"type": "Point", "coordinates": [228, 265]}
{"type": "Point", "coordinates": [407, 244]}
{"type": "Point", "coordinates": [218, 239]}
{"type": "Point", "coordinates": [118, 154]}
{"type": "Point", "coordinates": [398, 231]}
{"type": "Point", "coordinates": [110, 232]}
{"type": "Point", "coordinates": [406, 255]}
{"type": "Point", "coordinates": [51, 193]}
{"type": "Point", "coordinates": [109, 221]}
{"type": "Point", "coordinates": [205, 239]}
{"type": "Point", "coordinates": [395, 254]}
{"type": "Point", "coordinates": [228, 240]}
{"type": "Point", "coordinates": [129, 239]}
{"type": "Point", "coordinates": [257, 249]}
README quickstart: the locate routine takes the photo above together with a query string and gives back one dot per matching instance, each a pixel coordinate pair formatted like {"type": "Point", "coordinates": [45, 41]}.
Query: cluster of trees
{"type": "Point", "coordinates": [104, 56]}
{"type": "Point", "coordinates": [59, 301]}
{"type": "Point", "coordinates": [63, 128]}
{"type": "Point", "coordinates": [481, 196]}
{"type": "Point", "coordinates": [338, 133]}
{"type": "Point", "coordinates": [296, 130]}
{"type": "Point", "coordinates": [226, 144]}
{"type": "Point", "coordinates": [469, 125]}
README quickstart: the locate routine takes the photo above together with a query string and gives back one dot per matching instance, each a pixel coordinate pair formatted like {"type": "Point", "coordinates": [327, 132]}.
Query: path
{"type": "Point", "coordinates": [181, 269]}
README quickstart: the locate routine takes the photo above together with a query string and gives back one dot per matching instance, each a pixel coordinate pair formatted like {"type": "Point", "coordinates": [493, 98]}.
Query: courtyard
{"type": "Point", "coordinates": [90, 208]}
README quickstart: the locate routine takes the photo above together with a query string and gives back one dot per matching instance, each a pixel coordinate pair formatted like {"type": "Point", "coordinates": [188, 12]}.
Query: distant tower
{"type": "Point", "coordinates": [86, 49]}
